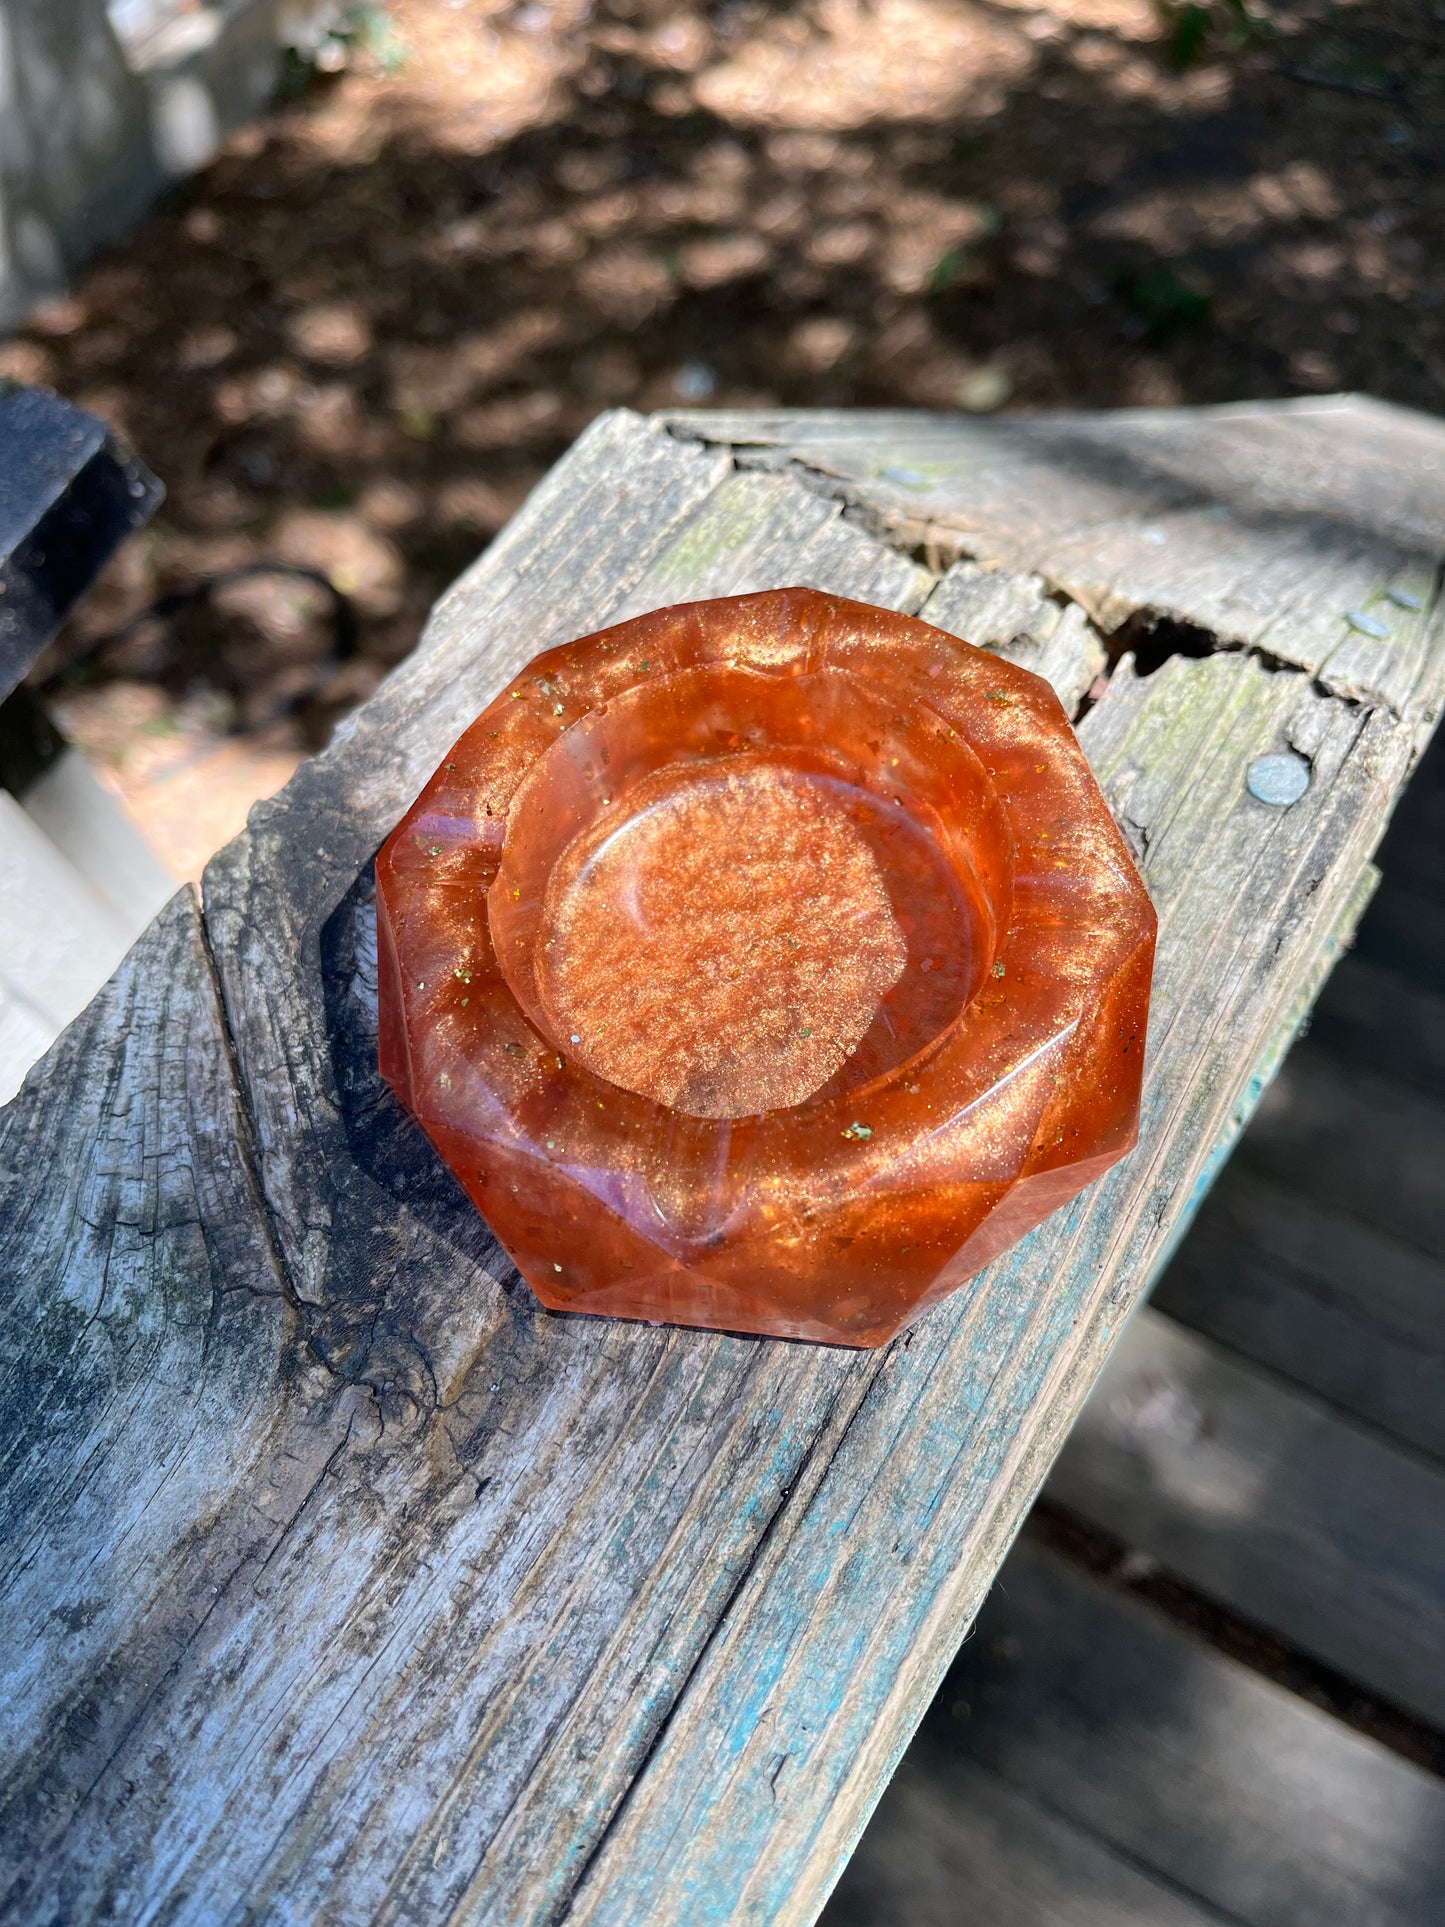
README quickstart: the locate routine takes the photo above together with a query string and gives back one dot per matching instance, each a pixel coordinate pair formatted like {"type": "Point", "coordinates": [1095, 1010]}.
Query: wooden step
{"type": "Point", "coordinates": [1353, 1143]}
{"type": "Point", "coordinates": [1393, 1025]}
{"type": "Point", "coordinates": [1405, 931]}
{"type": "Point", "coordinates": [1413, 852]}
{"type": "Point", "coordinates": [1086, 1753]}
{"type": "Point", "coordinates": [953, 1843]}
{"type": "Point", "coordinates": [1271, 1503]}
{"type": "Point", "coordinates": [1326, 1301]}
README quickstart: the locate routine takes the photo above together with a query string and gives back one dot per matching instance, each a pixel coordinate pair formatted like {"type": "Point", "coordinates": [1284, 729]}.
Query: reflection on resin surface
{"type": "Point", "coordinates": [769, 964]}
{"type": "Point", "coordinates": [723, 946]}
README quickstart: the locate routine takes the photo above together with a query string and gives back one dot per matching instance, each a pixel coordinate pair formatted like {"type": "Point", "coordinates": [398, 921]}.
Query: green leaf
{"type": "Point", "coordinates": [1166, 303]}
{"type": "Point", "coordinates": [1189, 32]}
{"type": "Point", "coordinates": [945, 268]}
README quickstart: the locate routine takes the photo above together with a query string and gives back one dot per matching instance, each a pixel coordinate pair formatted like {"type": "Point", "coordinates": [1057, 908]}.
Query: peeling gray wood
{"type": "Point", "coordinates": [550, 1420]}
{"type": "Point", "coordinates": [561, 566]}
{"type": "Point", "coordinates": [590, 1620]}
{"type": "Point", "coordinates": [1270, 1502]}
{"type": "Point", "coordinates": [1331, 1270]}
{"type": "Point", "coordinates": [1016, 617]}
{"type": "Point", "coordinates": [147, 1362]}
{"type": "Point", "coordinates": [1134, 1739]}
{"type": "Point", "coordinates": [762, 532]}
{"type": "Point", "coordinates": [1269, 524]}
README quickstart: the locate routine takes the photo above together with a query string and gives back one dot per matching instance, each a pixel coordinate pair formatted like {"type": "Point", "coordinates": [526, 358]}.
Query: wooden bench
{"type": "Point", "coordinates": [344, 1583]}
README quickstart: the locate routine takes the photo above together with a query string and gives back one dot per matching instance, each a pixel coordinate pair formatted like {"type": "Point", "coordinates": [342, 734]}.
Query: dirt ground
{"type": "Point", "coordinates": [356, 341]}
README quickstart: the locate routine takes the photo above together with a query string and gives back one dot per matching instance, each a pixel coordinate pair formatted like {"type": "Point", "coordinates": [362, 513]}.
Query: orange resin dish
{"type": "Point", "coordinates": [768, 964]}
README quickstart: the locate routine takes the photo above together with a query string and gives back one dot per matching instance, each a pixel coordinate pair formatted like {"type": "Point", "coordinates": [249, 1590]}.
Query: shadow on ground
{"type": "Point", "coordinates": [370, 326]}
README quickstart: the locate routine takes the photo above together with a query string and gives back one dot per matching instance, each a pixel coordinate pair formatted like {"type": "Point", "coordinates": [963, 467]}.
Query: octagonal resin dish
{"type": "Point", "coordinates": [768, 964]}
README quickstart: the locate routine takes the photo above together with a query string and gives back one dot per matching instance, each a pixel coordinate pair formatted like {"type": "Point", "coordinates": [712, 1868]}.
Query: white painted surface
{"type": "Point", "coordinates": [92, 832]}
{"type": "Point", "coordinates": [77, 887]}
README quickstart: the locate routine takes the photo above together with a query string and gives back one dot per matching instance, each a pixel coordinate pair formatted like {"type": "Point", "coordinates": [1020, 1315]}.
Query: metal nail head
{"type": "Point", "coordinates": [1280, 778]}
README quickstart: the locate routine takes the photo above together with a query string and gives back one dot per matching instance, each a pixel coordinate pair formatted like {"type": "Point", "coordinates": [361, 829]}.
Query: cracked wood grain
{"type": "Point", "coordinates": [413, 1601]}
{"type": "Point", "coordinates": [1309, 530]}
{"type": "Point", "coordinates": [1016, 617]}
{"type": "Point", "coordinates": [145, 1355]}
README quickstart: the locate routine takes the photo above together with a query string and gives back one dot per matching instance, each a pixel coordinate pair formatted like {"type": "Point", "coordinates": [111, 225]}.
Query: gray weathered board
{"type": "Point", "coordinates": [1321, 1254]}
{"type": "Point", "coordinates": [1090, 1764]}
{"type": "Point", "coordinates": [1268, 1500]}
{"type": "Point", "coordinates": [340, 1582]}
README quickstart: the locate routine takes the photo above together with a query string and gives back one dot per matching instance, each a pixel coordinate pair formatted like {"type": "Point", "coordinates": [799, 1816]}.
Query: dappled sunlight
{"type": "Point", "coordinates": [361, 335]}
{"type": "Point", "coordinates": [1158, 1422]}
{"type": "Point", "coordinates": [863, 61]}
{"type": "Point", "coordinates": [1170, 220]}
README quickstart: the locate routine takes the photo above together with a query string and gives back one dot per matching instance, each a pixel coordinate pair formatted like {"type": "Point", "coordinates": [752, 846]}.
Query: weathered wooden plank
{"type": "Point", "coordinates": [792, 1723]}
{"type": "Point", "coordinates": [147, 1368]}
{"type": "Point", "coordinates": [1256, 1806]}
{"type": "Point", "coordinates": [1326, 1300]}
{"type": "Point", "coordinates": [1017, 617]}
{"type": "Point", "coordinates": [753, 531]}
{"type": "Point", "coordinates": [952, 1841]}
{"type": "Point", "coordinates": [1270, 1502]}
{"type": "Point", "coordinates": [759, 532]}
{"type": "Point", "coordinates": [591, 1618]}
{"type": "Point", "coordinates": [1335, 1302]}
{"type": "Point", "coordinates": [1272, 525]}
{"type": "Point", "coordinates": [465, 1645]}
{"type": "Point", "coordinates": [1293, 1018]}
{"type": "Point", "coordinates": [561, 566]}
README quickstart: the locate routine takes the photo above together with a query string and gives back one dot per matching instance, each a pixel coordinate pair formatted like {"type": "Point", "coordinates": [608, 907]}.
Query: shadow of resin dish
{"type": "Point", "coordinates": [769, 964]}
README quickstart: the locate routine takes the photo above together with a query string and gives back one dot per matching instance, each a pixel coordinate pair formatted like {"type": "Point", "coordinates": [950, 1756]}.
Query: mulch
{"type": "Point", "coordinates": [357, 339]}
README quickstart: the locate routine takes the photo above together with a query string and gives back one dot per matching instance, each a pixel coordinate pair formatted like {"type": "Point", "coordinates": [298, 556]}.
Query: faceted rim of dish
{"type": "Point", "coordinates": [450, 845]}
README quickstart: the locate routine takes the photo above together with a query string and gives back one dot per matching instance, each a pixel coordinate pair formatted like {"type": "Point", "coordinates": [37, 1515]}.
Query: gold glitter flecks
{"type": "Point", "coordinates": [687, 942]}
{"type": "Point", "coordinates": [775, 953]}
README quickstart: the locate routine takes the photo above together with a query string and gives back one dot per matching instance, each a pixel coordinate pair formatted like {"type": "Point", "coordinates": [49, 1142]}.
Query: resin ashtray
{"type": "Point", "coordinates": [768, 964]}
